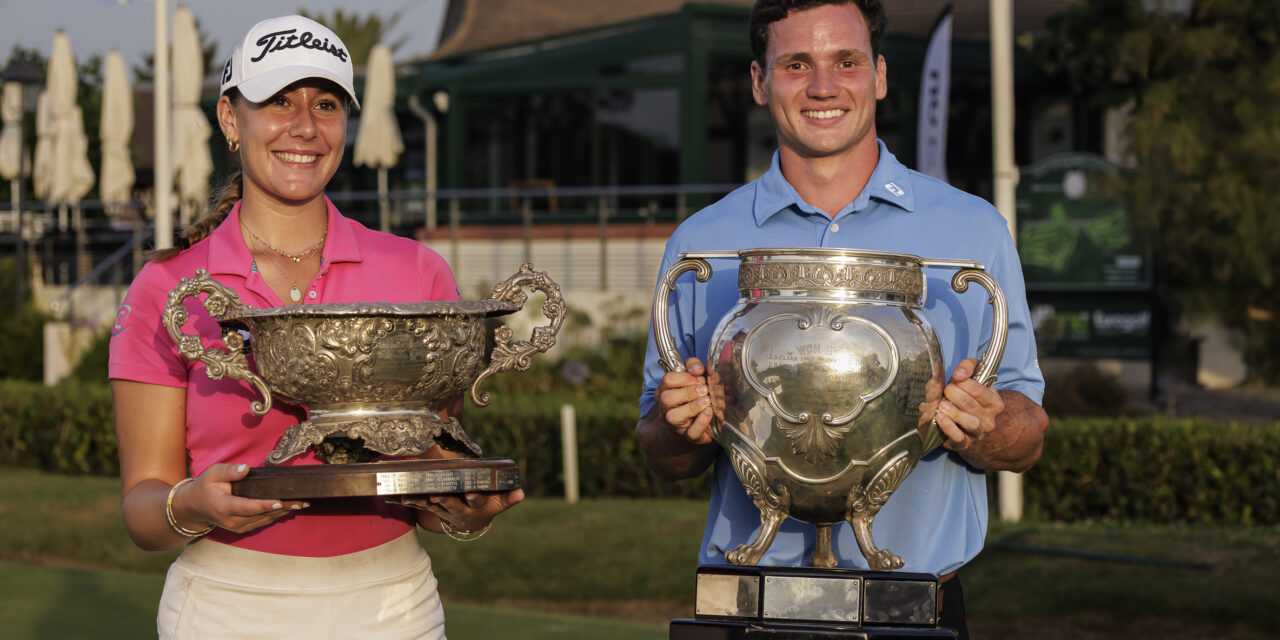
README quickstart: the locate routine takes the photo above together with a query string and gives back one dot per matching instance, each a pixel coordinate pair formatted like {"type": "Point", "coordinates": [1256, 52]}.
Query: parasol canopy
{"type": "Point", "coordinates": [116, 130]}
{"type": "Point", "coordinates": [71, 175]}
{"type": "Point", "coordinates": [378, 142]}
{"type": "Point", "coordinates": [191, 130]}
{"type": "Point", "coordinates": [11, 133]}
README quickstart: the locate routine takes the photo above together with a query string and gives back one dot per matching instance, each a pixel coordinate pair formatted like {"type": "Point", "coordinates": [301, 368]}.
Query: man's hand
{"type": "Point", "coordinates": [686, 402]}
{"type": "Point", "coordinates": [992, 430]}
{"type": "Point", "coordinates": [676, 433]}
{"type": "Point", "coordinates": [968, 410]}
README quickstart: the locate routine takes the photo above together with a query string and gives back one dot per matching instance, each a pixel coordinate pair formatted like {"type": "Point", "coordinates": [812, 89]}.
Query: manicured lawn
{"type": "Point", "coordinates": [38, 602]}
{"type": "Point", "coordinates": [634, 560]}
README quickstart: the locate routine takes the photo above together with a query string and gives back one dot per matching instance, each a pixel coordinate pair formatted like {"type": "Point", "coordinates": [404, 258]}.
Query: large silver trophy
{"type": "Point", "coordinates": [830, 375]}
{"type": "Point", "coordinates": [372, 377]}
{"type": "Point", "coordinates": [824, 378]}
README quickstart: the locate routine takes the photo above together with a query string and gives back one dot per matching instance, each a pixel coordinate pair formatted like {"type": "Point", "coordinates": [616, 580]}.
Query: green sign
{"type": "Point", "coordinates": [1091, 326]}
{"type": "Point", "coordinates": [1072, 234]}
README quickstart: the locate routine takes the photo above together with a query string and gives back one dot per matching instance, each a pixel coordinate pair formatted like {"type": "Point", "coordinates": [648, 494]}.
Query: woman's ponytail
{"type": "Point", "coordinates": [224, 201]}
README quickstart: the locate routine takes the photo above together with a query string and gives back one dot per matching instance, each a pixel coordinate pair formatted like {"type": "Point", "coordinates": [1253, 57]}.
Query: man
{"type": "Point", "coordinates": [834, 184]}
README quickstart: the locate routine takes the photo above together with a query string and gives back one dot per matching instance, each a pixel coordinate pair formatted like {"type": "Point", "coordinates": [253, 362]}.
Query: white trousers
{"type": "Point", "coordinates": [215, 590]}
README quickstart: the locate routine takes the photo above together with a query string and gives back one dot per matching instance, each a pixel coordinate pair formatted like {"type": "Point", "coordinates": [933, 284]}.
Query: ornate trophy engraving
{"type": "Point", "coordinates": [830, 375]}
{"type": "Point", "coordinates": [372, 376]}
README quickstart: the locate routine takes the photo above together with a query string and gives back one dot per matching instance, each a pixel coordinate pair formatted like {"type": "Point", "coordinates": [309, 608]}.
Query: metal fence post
{"type": "Point", "coordinates": [604, 243]}
{"type": "Point", "coordinates": [455, 220]}
{"type": "Point", "coordinates": [526, 221]}
{"type": "Point", "coordinates": [569, 440]}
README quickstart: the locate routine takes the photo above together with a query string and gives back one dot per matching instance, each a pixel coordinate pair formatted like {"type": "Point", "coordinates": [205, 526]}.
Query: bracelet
{"type": "Point", "coordinates": [173, 522]}
{"type": "Point", "coordinates": [463, 536]}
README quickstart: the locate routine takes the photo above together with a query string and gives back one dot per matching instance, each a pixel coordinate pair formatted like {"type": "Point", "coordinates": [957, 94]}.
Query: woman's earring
{"type": "Point", "coordinates": [233, 145]}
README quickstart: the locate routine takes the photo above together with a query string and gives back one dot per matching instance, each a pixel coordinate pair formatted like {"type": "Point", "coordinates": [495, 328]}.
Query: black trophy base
{"type": "Point", "coordinates": [682, 629]}
{"type": "Point", "coordinates": [790, 603]}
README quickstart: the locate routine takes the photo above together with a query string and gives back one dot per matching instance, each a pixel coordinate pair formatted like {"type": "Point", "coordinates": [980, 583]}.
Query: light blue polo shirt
{"type": "Point", "coordinates": [937, 519]}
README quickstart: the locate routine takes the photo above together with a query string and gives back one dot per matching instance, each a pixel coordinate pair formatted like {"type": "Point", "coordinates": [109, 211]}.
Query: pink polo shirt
{"type": "Point", "coordinates": [358, 265]}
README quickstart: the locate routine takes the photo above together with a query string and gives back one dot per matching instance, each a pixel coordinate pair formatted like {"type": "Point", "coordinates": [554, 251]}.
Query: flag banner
{"type": "Point", "coordinates": [935, 92]}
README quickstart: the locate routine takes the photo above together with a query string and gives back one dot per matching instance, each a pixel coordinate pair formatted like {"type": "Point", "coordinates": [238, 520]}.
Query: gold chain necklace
{"type": "Point", "coordinates": [293, 257]}
{"type": "Point", "coordinates": [294, 293]}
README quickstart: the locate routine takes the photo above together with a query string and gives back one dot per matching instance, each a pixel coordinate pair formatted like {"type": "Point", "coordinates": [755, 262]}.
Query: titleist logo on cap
{"type": "Point", "coordinates": [289, 39]}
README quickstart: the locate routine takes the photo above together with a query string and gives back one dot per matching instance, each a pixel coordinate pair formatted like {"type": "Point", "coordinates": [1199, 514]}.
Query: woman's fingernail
{"type": "Point", "coordinates": [295, 507]}
{"type": "Point", "coordinates": [241, 468]}
{"type": "Point", "coordinates": [277, 505]}
{"type": "Point", "coordinates": [305, 505]}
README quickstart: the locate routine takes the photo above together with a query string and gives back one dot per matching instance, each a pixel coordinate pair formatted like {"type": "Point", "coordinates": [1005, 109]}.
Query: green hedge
{"type": "Point", "coordinates": [1141, 469]}
{"type": "Point", "coordinates": [67, 428]}
{"type": "Point", "coordinates": [1157, 470]}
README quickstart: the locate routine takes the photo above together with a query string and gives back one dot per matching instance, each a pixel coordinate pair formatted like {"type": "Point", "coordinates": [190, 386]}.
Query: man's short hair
{"type": "Point", "coordinates": [767, 12]}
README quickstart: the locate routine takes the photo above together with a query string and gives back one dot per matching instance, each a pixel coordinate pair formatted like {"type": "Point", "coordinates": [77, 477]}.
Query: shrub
{"type": "Point", "coordinates": [1148, 469]}
{"type": "Point", "coordinates": [1083, 390]}
{"type": "Point", "coordinates": [1157, 470]}
{"type": "Point", "coordinates": [21, 339]}
{"type": "Point", "coordinates": [67, 428]}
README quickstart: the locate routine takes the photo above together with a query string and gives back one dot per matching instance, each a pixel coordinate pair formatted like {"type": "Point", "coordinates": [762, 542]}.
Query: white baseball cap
{"type": "Point", "coordinates": [280, 51]}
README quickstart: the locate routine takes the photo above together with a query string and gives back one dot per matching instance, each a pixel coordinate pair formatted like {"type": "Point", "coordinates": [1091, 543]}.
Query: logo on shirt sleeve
{"type": "Point", "coordinates": [122, 320]}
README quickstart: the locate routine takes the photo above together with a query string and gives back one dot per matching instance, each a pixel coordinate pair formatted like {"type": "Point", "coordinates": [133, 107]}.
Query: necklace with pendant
{"type": "Point", "coordinates": [294, 293]}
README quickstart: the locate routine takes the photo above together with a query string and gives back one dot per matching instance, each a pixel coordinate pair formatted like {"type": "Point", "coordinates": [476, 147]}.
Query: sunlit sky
{"type": "Point", "coordinates": [97, 26]}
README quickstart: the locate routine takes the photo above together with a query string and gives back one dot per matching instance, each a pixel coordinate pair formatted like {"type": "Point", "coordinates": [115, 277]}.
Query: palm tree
{"type": "Point", "coordinates": [146, 72]}
{"type": "Point", "coordinates": [357, 32]}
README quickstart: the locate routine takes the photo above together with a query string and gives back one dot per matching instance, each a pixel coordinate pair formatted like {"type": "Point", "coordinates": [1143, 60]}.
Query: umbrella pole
{"type": "Point", "coordinates": [163, 167]}
{"type": "Point", "coordinates": [78, 223]}
{"type": "Point", "coordinates": [14, 203]}
{"type": "Point", "coordinates": [384, 206]}
{"type": "Point", "coordinates": [20, 259]}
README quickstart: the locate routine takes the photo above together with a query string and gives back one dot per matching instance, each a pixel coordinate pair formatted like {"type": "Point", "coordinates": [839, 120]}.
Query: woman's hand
{"type": "Point", "coordinates": [208, 500]}
{"type": "Point", "coordinates": [463, 511]}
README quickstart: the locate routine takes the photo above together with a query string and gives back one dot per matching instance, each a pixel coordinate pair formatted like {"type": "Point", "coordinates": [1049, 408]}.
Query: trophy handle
{"type": "Point", "coordinates": [231, 363]}
{"type": "Point", "coordinates": [515, 355]}
{"type": "Point", "coordinates": [985, 373]}
{"type": "Point", "coordinates": [667, 350]}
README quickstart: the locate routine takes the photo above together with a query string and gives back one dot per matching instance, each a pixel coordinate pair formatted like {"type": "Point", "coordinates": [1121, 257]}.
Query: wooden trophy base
{"type": "Point", "coordinates": [400, 477]}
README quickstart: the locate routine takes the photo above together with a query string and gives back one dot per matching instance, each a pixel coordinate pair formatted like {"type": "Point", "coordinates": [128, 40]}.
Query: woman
{"type": "Point", "coordinates": [272, 568]}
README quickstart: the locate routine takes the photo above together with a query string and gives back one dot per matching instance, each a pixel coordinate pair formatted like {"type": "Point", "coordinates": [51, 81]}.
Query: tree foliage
{"type": "Point", "coordinates": [209, 50]}
{"type": "Point", "coordinates": [21, 333]}
{"type": "Point", "coordinates": [1205, 135]}
{"type": "Point", "coordinates": [359, 33]}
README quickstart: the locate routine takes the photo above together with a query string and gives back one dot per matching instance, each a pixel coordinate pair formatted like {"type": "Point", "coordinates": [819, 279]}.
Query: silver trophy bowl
{"type": "Point", "coordinates": [825, 377]}
{"type": "Point", "coordinates": [372, 375]}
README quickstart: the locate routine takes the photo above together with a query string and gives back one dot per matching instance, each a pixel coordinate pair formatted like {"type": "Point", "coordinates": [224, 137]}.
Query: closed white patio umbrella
{"type": "Point", "coordinates": [192, 163]}
{"type": "Point", "coordinates": [11, 133]}
{"type": "Point", "coordinates": [378, 141]}
{"type": "Point", "coordinates": [115, 185]}
{"type": "Point", "coordinates": [11, 142]}
{"type": "Point", "coordinates": [72, 175]}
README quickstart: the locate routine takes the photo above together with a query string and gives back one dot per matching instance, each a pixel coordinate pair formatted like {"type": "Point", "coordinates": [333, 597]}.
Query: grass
{"type": "Point", "coordinates": [113, 604]}
{"type": "Point", "coordinates": [1137, 576]}
{"type": "Point", "coordinates": [633, 561]}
